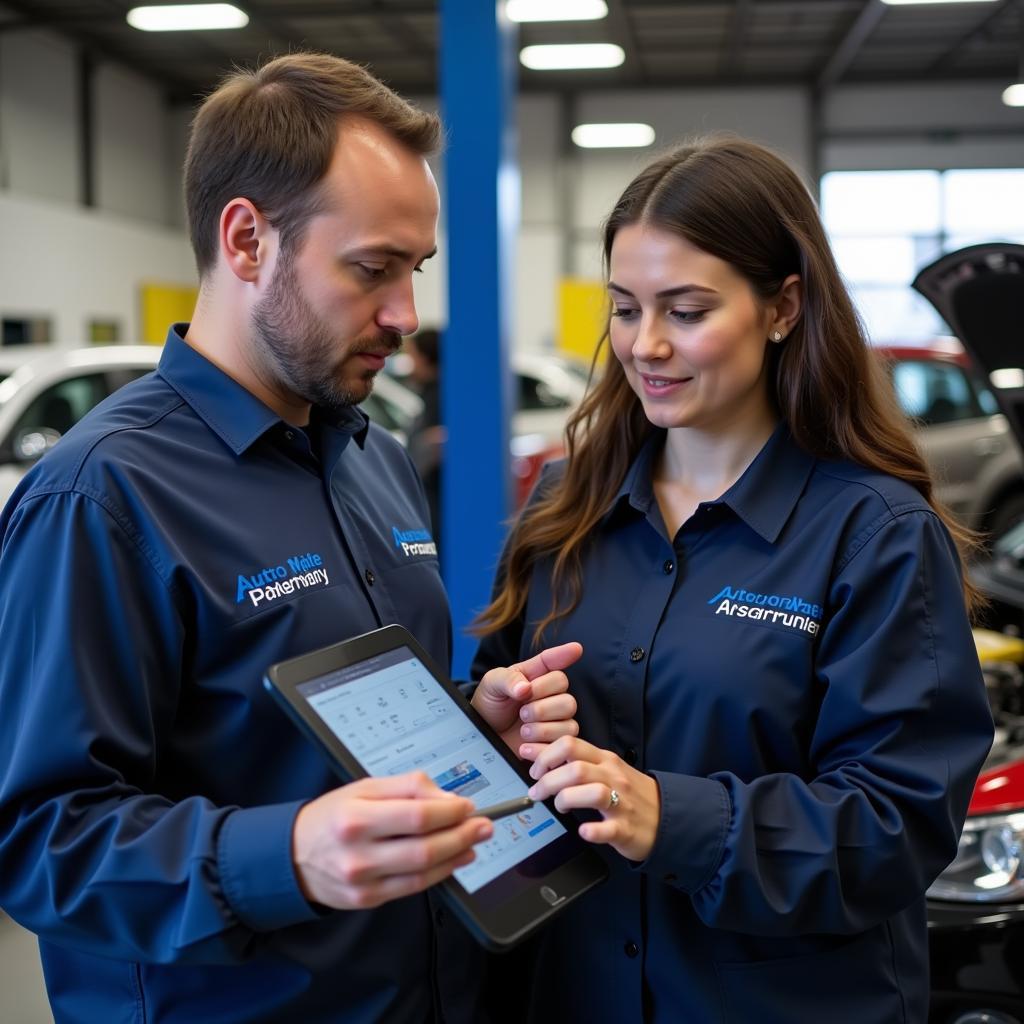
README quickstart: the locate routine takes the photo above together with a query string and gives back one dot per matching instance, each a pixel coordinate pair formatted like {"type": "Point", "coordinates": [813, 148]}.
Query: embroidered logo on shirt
{"type": "Point", "coordinates": [300, 572]}
{"type": "Point", "coordinates": [784, 610]}
{"type": "Point", "coordinates": [414, 542]}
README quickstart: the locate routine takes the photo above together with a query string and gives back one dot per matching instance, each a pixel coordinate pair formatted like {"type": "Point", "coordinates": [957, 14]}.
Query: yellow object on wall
{"type": "Point", "coordinates": [582, 315]}
{"type": "Point", "coordinates": [162, 305]}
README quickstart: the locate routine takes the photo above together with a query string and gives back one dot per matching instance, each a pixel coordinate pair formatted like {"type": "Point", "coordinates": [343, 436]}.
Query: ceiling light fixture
{"type": "Point", "coordinates": [612, 136]}
{"type": "Point", "coordinates": [912, 3]}
{"type": "Point", "coordinates": [572, 56]}
{"type": "Point", "coordinates": [556, 10]}
{"type": "Point", "coordinates": [187, 17]}
{"type": "Point", "coordinates": [1013, 95]}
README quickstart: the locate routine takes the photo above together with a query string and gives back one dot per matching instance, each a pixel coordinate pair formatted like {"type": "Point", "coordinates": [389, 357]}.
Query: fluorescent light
{"type": "Point", "coordinates": [908, 3]}
{"type": "Point", "coordinates": [1013, 95]}
{"type": "Point", "coordinates": [572, 56]}
{"type": "Point", "coordinates": [556, 10]}
{"type": "Point", "coordinates": [186, 17]}
{"type": "Point", "coordinates": [612, 136]}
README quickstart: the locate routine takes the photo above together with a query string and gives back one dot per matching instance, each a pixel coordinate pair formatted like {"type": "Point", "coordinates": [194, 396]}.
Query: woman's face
{"type": "Point", "coordinates": [688, 331]}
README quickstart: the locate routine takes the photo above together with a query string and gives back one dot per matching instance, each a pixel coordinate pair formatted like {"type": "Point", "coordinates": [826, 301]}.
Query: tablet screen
{"type": "Point", "coordinates": [392, 715]}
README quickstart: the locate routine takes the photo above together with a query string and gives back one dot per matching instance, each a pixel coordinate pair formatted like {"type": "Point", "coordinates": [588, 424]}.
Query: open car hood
{"type": "Point", "coordinates": [979, 292]}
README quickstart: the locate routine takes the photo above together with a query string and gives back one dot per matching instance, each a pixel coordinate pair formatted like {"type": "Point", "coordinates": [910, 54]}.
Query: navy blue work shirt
{"type": "Point", "coordinates": [173, 545]}
{"type": "Point", "coordinates": [796, 670]}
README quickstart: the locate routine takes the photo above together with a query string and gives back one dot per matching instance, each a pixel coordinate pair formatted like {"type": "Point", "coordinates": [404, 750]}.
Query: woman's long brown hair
{"type": "Point", "coordinates": [741, 203]}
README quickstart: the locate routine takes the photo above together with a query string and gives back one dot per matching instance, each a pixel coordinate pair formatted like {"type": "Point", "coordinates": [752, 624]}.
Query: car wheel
{"type": "Point", "coordinates": [1007, 514]}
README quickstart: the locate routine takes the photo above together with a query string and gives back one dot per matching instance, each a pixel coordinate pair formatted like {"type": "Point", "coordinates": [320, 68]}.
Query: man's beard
{"type": "Point", "coordinates": [294, 349]}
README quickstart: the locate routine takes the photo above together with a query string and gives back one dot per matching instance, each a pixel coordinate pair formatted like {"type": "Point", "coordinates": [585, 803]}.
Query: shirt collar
{"type": "Point", "coordinates": [764, 496]}
{"type": "Point", "coordinates": [767, 492]}
{"type": "Point", "coordinates": [637, 486]}
{"type": "Point", "coordinates": [234, 414]}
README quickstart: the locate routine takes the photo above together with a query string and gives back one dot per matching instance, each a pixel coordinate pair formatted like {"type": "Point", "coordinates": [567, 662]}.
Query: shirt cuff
{"type": "Point", "coordinates": [254, 855]}
{"type": "Point", "coordinates": [688, 847]}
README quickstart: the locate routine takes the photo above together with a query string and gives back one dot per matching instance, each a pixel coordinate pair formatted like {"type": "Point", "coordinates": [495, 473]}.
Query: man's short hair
{"type": "Point", "coordinates": [268, 135]}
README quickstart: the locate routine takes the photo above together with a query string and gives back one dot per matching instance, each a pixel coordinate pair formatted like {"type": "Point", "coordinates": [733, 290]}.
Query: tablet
{"type": "Point", "coordinates": [377, 705]}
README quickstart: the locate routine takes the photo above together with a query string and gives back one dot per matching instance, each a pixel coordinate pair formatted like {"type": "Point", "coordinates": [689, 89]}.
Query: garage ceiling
{"type": "Point", "coordinates": [667, 42]}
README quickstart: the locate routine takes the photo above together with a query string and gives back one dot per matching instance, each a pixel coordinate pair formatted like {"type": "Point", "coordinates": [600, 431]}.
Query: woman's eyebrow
{"type": "Point", "coordinates": [665, 293]}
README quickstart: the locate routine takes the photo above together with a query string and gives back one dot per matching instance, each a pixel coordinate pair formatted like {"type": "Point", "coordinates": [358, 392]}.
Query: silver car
{"type": "Point", "coordinates": [965, 438]}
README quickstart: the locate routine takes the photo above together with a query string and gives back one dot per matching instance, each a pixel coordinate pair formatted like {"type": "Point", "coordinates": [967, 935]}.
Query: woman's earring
{"type": "Point", "coordinates": [777, 336]}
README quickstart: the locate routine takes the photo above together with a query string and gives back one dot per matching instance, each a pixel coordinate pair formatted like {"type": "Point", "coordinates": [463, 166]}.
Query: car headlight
{"type": "Point", "coordinates": [989, 862]}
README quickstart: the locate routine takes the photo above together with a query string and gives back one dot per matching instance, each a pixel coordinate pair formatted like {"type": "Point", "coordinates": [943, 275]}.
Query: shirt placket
{"type": "Point", "coordinates": [352, 538]}
{"type": "Point", "coordinates": [657, 565]}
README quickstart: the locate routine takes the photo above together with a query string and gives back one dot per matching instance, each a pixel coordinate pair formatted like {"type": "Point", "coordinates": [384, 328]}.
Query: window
{"type": "Point", "coordinates": [885, 225]}
{"type": "Point", "coordinates": [535, 393]}
{"type": "Point", "coordinates": [61, 406]}
{"type": "Point", "coordinates": [24, 330]}
{"type": "Point", "coordinates": [104, 332]}
{"type": "Point", "coordinates": [934, 393]}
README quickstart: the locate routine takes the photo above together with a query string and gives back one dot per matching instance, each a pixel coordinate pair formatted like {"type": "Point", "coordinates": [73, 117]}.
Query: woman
{"type": "Point", "coordinates": [781, 712]}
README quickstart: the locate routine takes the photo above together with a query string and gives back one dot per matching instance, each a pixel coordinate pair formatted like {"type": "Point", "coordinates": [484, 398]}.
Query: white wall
{"type": "Point", "coordinates": [75, 265]}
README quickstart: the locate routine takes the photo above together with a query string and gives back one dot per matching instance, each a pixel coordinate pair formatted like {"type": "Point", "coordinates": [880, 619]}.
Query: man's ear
{"type": "Point", "coordinates": [247, 240]}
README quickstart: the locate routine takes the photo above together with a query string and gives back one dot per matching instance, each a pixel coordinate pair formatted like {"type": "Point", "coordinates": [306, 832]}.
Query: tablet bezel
{"type": "Point", "coordinates": [507, 909]}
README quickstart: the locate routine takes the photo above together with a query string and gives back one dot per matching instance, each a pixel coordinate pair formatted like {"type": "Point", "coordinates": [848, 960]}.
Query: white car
{"type": "Point", "coordinates": [547, 389]}
{"type": "Point", "coordinates": [44, 398]}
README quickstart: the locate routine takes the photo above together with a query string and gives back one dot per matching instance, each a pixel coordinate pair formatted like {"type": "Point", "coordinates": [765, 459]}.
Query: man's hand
{"type": "Point", "coordinates": [379, 839]}
{"type": "Point", "coordinates": [529, 704]}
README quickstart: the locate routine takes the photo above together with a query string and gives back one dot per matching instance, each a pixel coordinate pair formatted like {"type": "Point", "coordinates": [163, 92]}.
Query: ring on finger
{"type": "Point", "coordinates": [613, 799]}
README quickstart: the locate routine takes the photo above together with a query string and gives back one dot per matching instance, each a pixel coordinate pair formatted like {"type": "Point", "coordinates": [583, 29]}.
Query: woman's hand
{"type": "Point", "coordinates": [579, 775]}
{"type": "Point", "coordinates": [529, 704]}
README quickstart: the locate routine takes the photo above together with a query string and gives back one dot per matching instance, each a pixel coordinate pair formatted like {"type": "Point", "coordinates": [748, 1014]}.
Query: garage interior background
{"type": "Point", "coordinates": [94, 115]}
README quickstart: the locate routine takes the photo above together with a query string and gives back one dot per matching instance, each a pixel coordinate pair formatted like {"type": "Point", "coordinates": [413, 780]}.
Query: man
{"type": "Point", "coordinates": [182, 852]}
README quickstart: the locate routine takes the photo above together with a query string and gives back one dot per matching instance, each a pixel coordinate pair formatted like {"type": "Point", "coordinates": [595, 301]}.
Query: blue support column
{"type": "Point", "coordinates": [477, 71]}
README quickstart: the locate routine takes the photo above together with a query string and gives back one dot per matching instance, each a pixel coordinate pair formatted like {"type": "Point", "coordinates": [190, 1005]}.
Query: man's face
{"type": "Point", "coordinates": [340, 301]}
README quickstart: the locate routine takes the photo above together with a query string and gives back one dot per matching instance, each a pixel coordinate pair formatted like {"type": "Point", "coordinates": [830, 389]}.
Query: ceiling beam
{"type": "Point", "coordinates": [733, 52]}
{"type": "Point", "coordinates": [413, 41]}
{"type": "Point", "coordinates": [260, 17]}
{"type": "Point", "coordinates": [100, 48]}
{"type": "Point", "coordinates": [867, 20]}
{"type": "Point", "coordinates": [620, 30]}
{"type": "Point", "coordinates": [53, 19]}
{"type": "Point", "coordinates": [981, 28]}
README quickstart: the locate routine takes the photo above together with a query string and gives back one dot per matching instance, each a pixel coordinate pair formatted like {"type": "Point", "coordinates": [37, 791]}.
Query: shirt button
{"type": "Point", "coordinates": [630, 756]}
{"type": "Point", "coordinates": [370, 578]}
{"type": "Point", "coordinates": [637, 654]}
{"type": "Point", "coordinates": [631, 949]}
{"type": "Point", "coordinates": [669, 567]}
{"type": "Point", "coordinates": [670, 878]}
